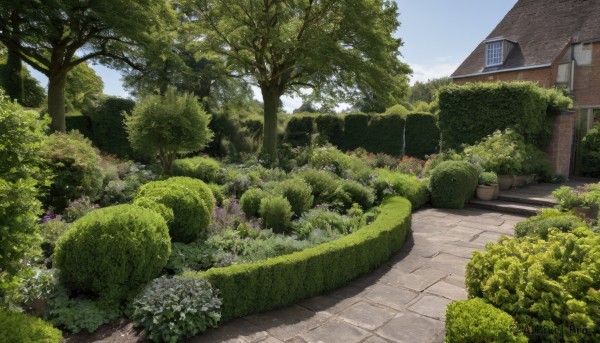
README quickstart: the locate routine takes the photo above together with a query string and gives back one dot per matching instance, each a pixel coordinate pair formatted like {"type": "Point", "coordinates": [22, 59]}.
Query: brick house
{"type": "Point", "coordinates": [557, 44]}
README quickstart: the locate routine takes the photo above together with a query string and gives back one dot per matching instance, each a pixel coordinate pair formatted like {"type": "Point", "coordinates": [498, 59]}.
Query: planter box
{"type": "Point", "coordinates": [506, 182]}
{"type": "Point", "coordinates": [485, 192]}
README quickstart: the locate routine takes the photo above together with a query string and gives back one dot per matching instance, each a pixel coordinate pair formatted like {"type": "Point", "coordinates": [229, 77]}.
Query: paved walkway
{"type": "Point", "coordinates": [403, 301]}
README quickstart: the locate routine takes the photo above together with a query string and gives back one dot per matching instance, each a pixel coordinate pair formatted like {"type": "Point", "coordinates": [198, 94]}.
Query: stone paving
{"type": "Point", "coordinates": [403, 301]}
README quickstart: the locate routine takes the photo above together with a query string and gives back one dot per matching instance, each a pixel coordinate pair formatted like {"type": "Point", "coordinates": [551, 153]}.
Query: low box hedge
{"type": "Point", "coordinates": [257, 287]}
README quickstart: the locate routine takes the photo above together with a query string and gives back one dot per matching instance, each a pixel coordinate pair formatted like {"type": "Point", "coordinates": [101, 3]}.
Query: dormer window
{"type": "Point", "coordinates": [494, 54]}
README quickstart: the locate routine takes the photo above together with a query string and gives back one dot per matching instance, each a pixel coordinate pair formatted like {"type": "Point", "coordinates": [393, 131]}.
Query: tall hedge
{"type": "Point", "coordinates": [257, 287]}
{"type": "Point", "coordinates": [331, 128]}
{"type": "Point", "coordinates": [422, 135]}
{"type": "Point", "coordinates": [385, 133]}
{"type": "Point", "coordinates": [355, 133]}
{"type": "Point", "coordinates": [299, 130]}
{"type": "Point", "coordinates": [472, 111]}
{"type": "Point", "coordinates": [109, 133]}
{"type": "Point", "coordinates": [81, 123]}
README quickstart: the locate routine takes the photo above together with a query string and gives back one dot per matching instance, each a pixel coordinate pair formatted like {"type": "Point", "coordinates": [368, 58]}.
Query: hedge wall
{"type": "Point", "coordinates": [475, 110]}
{"type": "Point", "coordinates": [422, 135]}
{"type": "Point", "coordinates": [299, 130]}
{"type": "Point", "coordinates": [109, 133]}
{"type": "Point", "coordinates": [331, 128]}
{"type": "Point", "coordinates": [257, 287]}
{"type": "Point", "coordinates": [80, 123]}
{"type": "Point", "coordinates": [355, 130]}
{"type": "Point", "coordinates": [385, 133]}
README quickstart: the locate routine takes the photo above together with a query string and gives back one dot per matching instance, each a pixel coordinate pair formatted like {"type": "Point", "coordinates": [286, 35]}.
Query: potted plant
{"type": "Point", "coordinates": [488, 183]}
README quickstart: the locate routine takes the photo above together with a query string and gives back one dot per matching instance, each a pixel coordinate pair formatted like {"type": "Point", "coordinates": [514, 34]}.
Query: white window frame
{"type": "Point", "coordinates": [494, 53]}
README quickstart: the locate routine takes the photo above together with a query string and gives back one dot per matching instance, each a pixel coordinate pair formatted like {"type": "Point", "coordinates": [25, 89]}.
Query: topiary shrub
{"type": "Point", "coordinates": [21, 328]}
{"type": "Point", "coordinates": [203, 168]}
{"type": "Point", "coordinates": [550, 287]}
{"type": "Point", "coordinates": [422, 135]}
{"type": "Point", "coordinates": [322, 183]}
{"type": "Point", "coordinates": [191, 214]}
{"type": "Point", "coordinates": [590, 152]}
{"type": "Point", "coordinates": [330, 159]}
{"type": "Point", "coordinates": [331, 128]}
{"type": "Point", "coordinates": [250, 201]}
{"type": "Point", "coordinates": [76, 168]}
{"type": "Point", "coordinates": [407, 186]}
{"type": "Point", "coordinates": [385, 133]}
{"type": "Point", "coordinates": [217, 192]}
{"type": "Point", "coordinates": [299, 130]}
{"type": "Point", "coordinates": [475, 321]}
{"type": "Point", "coordinates": [453, 184]}
{"type": "Point", "coordinates": [197, 186]}
{"type": "Point", "coordinates": [113, 251]}
{"type": "Point", "coordinates": [276, 213]}
{"type": "Point", "coordinates": [539, 225]}
{"type": "Point", "coordinates": [298, 193]}
{"type": "Point", "coordinates": [107, 122]}
{"type": "Point", "coordinates": [357, 193]}
{"type": "Point", "coordinates": [171, 309]}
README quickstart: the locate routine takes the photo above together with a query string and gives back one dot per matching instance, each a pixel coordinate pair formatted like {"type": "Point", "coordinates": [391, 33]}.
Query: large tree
{"type": "Point", "coordinates": [335, 47]}
{"type": "Point", "coordinates": [54, 36]}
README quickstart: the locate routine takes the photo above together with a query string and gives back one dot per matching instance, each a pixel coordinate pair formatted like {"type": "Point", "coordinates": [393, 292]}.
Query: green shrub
{"type": "Point", "coordinates": [322, 183]}
{"type": "Point", "coordinates": [397, 110]}
{"type": "Point", "coordinates": [355, 130]}
{"type": "Point", "coordinates": [257, 287]}
{"type": "Point", "coordinates": [550, 287]}
{"type": "Point", "coordinates": [76, 168]}
{"type": "Point", "coordinates": [475, 321]}
{"type": "Point", "coordinates": [590, 152]}
{"type": "Point", "coordinates": [193, 185]}
{"type": "Point", "coordinates": [385, 133]}
{"type": "Point", "coordinates": [330, 159]}
{"type": "Point", "coordinates": [276, 213]}
{"type": "Point", "coordinates": [299, 130]}
{"type": "Point", "coordinates": [422, 135]}
{"type": "Point", "coordinates": [80, 123]}
{"type": "Point", "coordinates": [453, 184]}
{"type": "Point", "coordinates": [407, 186]}
{"type": "Point", "coordinates": [107, 122]}
{"type": "Point", "coordinates": [250, 201]}
{"type": "Point", "coordinates": [488, 178]}
{"type": "Point", "coordinates": [535, 161]}
{"type": "Point", "coordinates": [217, 193]}
{"type": "Point", "coordinates": [501, 152]}
{"type": "Point", "coordinates": [113, 251]}
{"type": "Point", "coordinates": [168, 125]}
{"type": "Point", "coordinates": [51, 232]}
{"type": "Point", "coordinates": [331, 128]}
{"type": "Point", "coordinates": [298, 193]}
{"type": "Point", "coordinates": [21, 328]}
{"type": "Point", "coordinates": [78, 208]}
{"type": "Point", "coordinates": [171, 309]}
{"type": "Point", "coordinates": [203, 168]}
{"type": "Point", "coordinates": [472, 111]}
{"type": "Point", "coordinates": [186, 212]}
{"type": "Point", "coordinates": [357, 193]}
{"type": "Point", "coordinates": [320, 219]}
{"type": "Point", "coordinates": [539, 225]}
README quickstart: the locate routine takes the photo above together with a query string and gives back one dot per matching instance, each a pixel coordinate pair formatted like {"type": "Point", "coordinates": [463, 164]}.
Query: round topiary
{"type": "Point", "coordinates": [198, 186]}
{"type": "Point", "coordinates": [298, 193]}
{"type": "Point", "coordinates": [191, 214]}
{"type": "Point", "coordinates": [250, 201]}
{"type": "Point", "coordinates": [453, 184]}
{"type": "Point", "coordinates": [113, 251]}
{"type": "Point", "coordinates": [276, 213]}
{"type": "Point", "coordinates": [21, 328]}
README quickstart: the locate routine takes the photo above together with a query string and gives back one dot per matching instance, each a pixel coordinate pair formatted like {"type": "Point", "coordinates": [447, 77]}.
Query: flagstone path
{"type": "Point", "coordinates": [403, 301]}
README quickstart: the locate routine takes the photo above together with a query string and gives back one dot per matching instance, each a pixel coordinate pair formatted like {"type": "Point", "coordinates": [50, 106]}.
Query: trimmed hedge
{"type": "Point", "coordinates": [331, 128]}
{"type": "Point", "coordinates": [472, 111]}
{"type": "Point", "coordinates": [475, 321]}
{"type": "Point", "coordinates": [257, 287]}
{"type": "Point", "coordinates": [80, 123]}
{"type": "Point", "coordinates": [355, 130]}
{"type": "Point", "coordinates": [590, 152]}
{"type": "Point", "coordinates": [203, 168]}
{"type": "Point", "coordinates": [422, 135]}
{"type": "Point", "coordinates": [453, 184]}
{"type": "Point", "coordinates": [113, 251]}
{"type": "Point", "coordinates": [299, 130]}
{"type": "Point", "coordinates": [109, 133]}
{"type": "Point", "coordinates": [385, 133]}
{"type": "Point", "coordinates": [21, 328]}
{"type": "Point", "coordinates": [407, 186]}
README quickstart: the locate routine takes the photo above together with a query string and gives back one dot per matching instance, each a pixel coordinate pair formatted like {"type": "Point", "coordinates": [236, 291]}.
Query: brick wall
{"type": "Point", "coordinates": [559, 149]}
{"type": "Point", "coordinates": [587, 81]}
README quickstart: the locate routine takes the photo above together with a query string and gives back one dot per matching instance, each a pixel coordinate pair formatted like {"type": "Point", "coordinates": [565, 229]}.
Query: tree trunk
{"type": "Point", "coordinates": [271, 100]}
{"type": "Point", "coordinates": [56, 101]}
{"type": "Point", "coordinates": [14, 77]}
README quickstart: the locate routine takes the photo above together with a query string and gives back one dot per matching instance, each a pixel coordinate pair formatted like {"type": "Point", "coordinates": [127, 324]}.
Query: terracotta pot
{"type": "Point", "coordinates": [485, 192]}
{"type": "Point", "coordinates": [505, 182]}
{"type": "Point", "coordinates": [496, 191]}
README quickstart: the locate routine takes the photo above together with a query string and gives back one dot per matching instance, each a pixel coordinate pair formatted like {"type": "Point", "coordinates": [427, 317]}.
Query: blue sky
{"type": "Point", "coordinates": [438, 35]}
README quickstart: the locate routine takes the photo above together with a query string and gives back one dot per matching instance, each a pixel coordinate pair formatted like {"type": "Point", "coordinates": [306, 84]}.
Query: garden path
{"type": "Point", "coordinates": [402, 301]}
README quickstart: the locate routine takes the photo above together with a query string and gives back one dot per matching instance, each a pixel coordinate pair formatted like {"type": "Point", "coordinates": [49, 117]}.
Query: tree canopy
{"type": "Point", "coordinates": [54, 36]}
{"type": "Point", "coordinates": [334, 47]}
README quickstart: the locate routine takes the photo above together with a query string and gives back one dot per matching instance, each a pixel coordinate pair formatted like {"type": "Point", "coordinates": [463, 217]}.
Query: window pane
{"type": "Point", "coordinates": [493, 54]}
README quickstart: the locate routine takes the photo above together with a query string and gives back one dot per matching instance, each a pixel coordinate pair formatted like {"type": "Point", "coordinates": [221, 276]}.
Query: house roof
{"type": "Point", "coordinates": [542, 29]}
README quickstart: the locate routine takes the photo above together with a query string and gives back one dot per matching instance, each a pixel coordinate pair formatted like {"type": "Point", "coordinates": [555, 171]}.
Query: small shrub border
{"type": "Point", "coordinates": [257, 287]}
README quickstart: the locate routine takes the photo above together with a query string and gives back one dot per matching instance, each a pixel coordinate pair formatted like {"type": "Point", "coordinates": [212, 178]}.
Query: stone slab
{"type": "Point", "coordinates": [411, 328]}
{"type": "Point", "coordinates": [366, 315]}
{"type": "Point", "coordinates": [431, 306]}
{"type": "Point", "coordinates": [393, 297]}
{"type": "Point", "coordinates": [335, 331]}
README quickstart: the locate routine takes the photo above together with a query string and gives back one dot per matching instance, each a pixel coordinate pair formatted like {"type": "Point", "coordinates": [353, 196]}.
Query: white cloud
{"type": "Point", "coordinates": [423, 73]}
